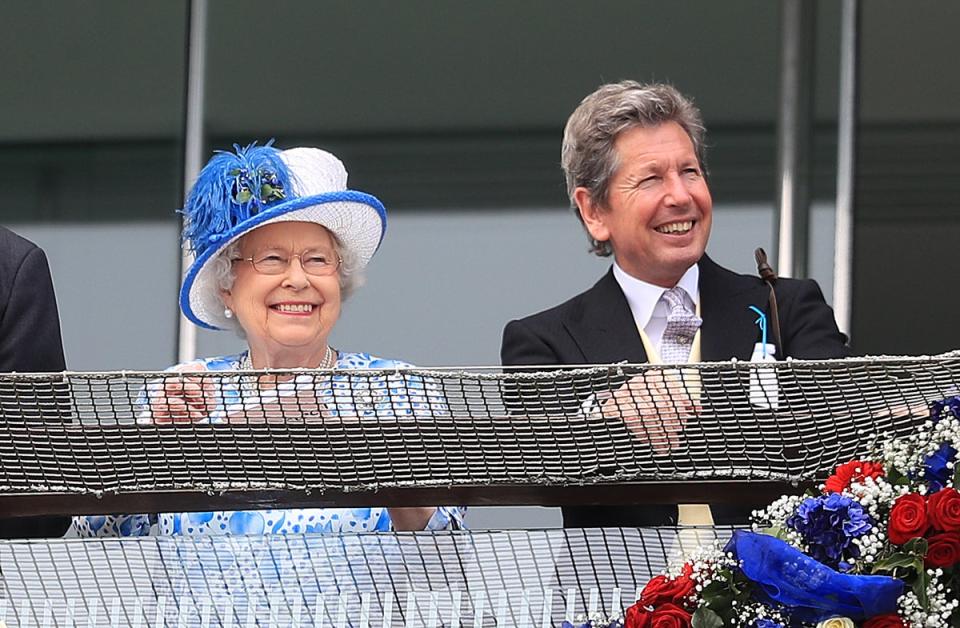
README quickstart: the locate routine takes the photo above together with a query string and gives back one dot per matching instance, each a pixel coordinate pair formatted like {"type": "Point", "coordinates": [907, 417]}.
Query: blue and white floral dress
{"type": "Point", "coordinates": [386, 396]}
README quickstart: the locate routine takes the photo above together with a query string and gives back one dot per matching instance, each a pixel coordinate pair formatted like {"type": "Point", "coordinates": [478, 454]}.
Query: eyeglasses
{"type": "Point", "coordinates": [318, 263]}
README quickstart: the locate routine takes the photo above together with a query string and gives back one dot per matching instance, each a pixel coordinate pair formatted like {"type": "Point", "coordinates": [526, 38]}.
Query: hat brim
{"type": "Point", "coordinates": [358, 221]}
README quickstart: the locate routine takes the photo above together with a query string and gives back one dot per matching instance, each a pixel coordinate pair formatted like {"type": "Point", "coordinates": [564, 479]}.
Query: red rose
{"type": "Point", "coordinates": [662, 589]}
{"type": "Point", "coordinates": [637, 617]}
{"type": "Point", "coordinates": [670, 616]}
{"type": "Point", "coordinates": [854, 471]}
{"type": "Point", "coordinates": [943, 551]}
{"type": "Point", "coordinates": [890, 620]}
{"type": "Point", "coordinates": [943, 508]}
{"type": "Point", "coordinates": [908, 518]}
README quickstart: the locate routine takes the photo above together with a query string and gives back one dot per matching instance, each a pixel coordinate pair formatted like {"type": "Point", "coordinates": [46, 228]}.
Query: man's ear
{"type": "Point", "coordinates": [592, 214]}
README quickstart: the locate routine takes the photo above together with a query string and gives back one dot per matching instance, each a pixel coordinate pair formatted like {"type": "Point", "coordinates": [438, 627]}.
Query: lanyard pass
{"type": "Point", "coordinates": [762, 323]}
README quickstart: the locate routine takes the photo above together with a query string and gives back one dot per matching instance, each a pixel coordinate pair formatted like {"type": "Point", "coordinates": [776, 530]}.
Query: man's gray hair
{"type": "Point", "coordinates": [350, 273]}
{"type": "Point", "coordinates": [588, 156]}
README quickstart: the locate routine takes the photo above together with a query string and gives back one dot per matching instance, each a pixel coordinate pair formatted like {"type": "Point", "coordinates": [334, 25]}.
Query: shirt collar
{"type": "Point", "coordinates": [642, 297]}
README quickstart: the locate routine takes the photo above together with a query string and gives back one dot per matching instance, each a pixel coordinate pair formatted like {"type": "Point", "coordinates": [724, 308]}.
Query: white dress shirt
{"type": "Point", "coordinates": [648, 308]}
{"type": "Point", "coordinates": [650, 314]}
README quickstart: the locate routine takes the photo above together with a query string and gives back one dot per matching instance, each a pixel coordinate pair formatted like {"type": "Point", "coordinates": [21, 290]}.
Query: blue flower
{"type": "Point", "coordinates": [828, 524]}
{"type": "Point", "coordinates": [767, 623]}
{"type": "Point", "coordinates": [935, 469]}
{"type": "Point", "coordinates": [950, 405]}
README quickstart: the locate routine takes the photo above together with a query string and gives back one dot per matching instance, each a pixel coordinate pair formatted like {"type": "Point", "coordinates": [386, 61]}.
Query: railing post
{"type": "Point", "coordinates": [193, 144]}
{"type": "Point", "coordinates": [846, 165]}
{"type": "Point", "coordinates": [794, 130]}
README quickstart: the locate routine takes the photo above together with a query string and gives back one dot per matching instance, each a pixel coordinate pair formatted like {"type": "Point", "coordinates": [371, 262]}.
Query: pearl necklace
{"type": "Point", "coordinates": [329, 360]}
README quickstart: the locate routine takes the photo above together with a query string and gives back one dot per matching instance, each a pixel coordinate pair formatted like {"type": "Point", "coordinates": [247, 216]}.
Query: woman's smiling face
{"type": "Point", "coordinates": [287, 317]}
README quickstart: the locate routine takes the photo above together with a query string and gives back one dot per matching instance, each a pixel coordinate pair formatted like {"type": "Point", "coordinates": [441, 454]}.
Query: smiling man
{"type": "Point", "coordinates": [634, 161]}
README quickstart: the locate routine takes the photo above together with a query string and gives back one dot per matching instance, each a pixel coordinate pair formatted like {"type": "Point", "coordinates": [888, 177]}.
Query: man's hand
{"type": "Point", "coordinates": [183, 399]}
{"type": "Point", "coordinates": [655, 407]}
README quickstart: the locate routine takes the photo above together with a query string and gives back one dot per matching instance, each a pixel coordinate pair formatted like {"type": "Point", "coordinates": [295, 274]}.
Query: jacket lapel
{"type": "Point", "coordinates": [603, 326]}
{"type": "Point", "coordinates": [729, 328]}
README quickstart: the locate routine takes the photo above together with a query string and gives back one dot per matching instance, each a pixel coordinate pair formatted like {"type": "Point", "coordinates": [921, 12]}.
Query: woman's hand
{"type": "Point", "coordinates": [183, 399]}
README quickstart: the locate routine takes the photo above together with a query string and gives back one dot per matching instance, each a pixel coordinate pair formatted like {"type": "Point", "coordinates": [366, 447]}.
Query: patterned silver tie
{"type": "Point", "coordinates": [682, 326]}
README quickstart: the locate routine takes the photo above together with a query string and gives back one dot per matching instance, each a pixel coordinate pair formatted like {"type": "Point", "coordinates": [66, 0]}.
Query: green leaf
{"type": "Point", "coordinates": [955, 590]}
{"type": "Point", "coordinates": [956, 482]}
{"type": "Point", "coordinates": [706, 618]}
{"type": "Point", "coordinates": [742, 586]}
{"type": "Point", "coordinates": [776, 531]}
{"type": "Point", "coordinates": [916, 546]}
{"type": "Point", "coordinates": [718, 594]}
{"type": "Point", "coordinates": [896, 478]}
{"type": "Point", "coordinates": [920, 588]}
{"type": "Point", "coordinates": [894, 561]}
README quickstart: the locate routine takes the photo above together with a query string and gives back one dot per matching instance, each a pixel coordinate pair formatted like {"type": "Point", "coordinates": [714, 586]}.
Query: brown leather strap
{"type": "Point", "coordinates": [770, 276]}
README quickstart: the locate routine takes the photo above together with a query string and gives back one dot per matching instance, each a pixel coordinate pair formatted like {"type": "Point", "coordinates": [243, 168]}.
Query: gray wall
{"type": "Point", "coordinates": [438, 292]}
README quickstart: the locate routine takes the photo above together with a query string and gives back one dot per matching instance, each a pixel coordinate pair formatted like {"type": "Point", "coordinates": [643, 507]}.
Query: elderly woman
{"type": "Point", "coordinates": [280, 241]}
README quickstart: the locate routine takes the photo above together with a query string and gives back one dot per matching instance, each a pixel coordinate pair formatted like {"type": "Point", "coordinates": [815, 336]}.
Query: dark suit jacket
{"type": "Point", "coordinates": [29, 341]}
{"type": "Point", "coordinates": [597, 327]}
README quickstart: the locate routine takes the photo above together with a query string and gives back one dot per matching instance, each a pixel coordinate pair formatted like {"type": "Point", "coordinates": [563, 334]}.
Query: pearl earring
{"type": "Point", "coordinates": [227, 312]}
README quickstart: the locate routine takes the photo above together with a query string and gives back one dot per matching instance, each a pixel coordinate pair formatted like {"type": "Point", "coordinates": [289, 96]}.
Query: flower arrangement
{"type": "Point", "coordinates": [878, 546]}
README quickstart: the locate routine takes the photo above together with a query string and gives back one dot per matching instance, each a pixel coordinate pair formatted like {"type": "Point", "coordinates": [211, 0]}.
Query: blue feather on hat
{"type": "Point", "coordinates": [230, 189]}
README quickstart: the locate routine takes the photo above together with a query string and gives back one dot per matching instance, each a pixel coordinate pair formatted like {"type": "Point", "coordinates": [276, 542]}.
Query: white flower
{"type": "Point", "coordinates": [837, 622]}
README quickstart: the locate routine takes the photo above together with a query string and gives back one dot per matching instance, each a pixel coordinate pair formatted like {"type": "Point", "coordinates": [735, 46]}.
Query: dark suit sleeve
{"type": "Point", "coordinates": [30, 325]}
{"type": "Point", "coordinates": [29, 342]}
{"type": "Point", "coordinates": [522, 346]}
{"type": "Point", "coordinates": [809, 329]}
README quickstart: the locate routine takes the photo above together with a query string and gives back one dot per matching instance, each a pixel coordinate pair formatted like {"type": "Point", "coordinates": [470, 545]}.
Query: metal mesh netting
{"type": "Point", "coordinates": [353, 432]}
{"type": "Point", "coordinates": [517, 578]}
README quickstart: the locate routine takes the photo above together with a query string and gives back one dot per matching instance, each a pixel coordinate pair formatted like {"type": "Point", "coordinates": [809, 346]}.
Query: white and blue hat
{"type": "Point", "coordinates": [259, 185]}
